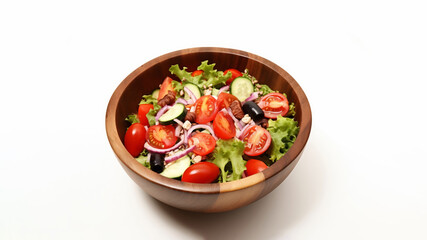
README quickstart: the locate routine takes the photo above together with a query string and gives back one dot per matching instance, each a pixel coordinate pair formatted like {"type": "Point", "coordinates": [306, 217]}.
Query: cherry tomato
{"type": "Point", "coordinates": [142, 113]}
{"type": "Point", "coordinates": [234, 73]}
{"type": "Point", "coordinates": [135, 139]}
{"type": "Point", "coordinates": [201, 172]}
{"type": "Point", "coordinates": [161, 136]}
{"type": "Point", "coordinates": [165, 88]}
{"type": "Point", "coordinates": [274, 104]}
{"type": "Point", "coordinates": [204, 142]}
{"type": "Point", "coordinates": [257, 140]}
{"type": "Point", "coordinates": [223, 126]}
{"type": "Point", "coordinates": [206, 109]}
{"type": "Point", "coordinates": [225, 99]}
{"type": "Point", "coordinates": [196, 73]}
{"type": "Point", "coordinates": [254, 166]}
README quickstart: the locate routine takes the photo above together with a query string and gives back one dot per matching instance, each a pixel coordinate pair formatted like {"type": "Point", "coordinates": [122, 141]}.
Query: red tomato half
{"type": "Point", "coordinates": [204, 142]}
{"type": "Point", "coordinates": [254, 166]}
{"type": "Point", "coordinates": [274, 104]}
{"type": "Point", "coordinates": [225, 99]}
{"type": "Point", "coordinates": [161, 136]}
{"type": "Point", "coordinates": [223, 126]}
{"type": "Point", "coordinates": [206, 109]}
{"type": "Point", "coordinates": [234, 73]}
{"type": "Point", "coordinates": [196, 73]}
{"type": "Point", "coordinates": [142, 113]}
{"type": "Point", "coordinates": [201, 172]}
{"type": "Point", "coordinates": [257, 140]}
{"type": "Point", "coordinates": [165, 88]}
{"type": "Point", "coordinates": [135, 139]}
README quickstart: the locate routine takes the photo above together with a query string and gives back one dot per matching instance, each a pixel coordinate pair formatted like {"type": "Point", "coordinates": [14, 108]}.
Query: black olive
{"type": "Point", "coordinates": [254, 111]}
{"type": "Point", "coordinates": [157, 162]}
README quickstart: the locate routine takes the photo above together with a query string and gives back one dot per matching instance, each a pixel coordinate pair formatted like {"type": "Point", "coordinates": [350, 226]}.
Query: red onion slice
{"type": "Point", "coordinates": [179, 154]}
{"type": "Point", "coordinates": [162, 150]}
{"type": "Point", "coordinates": [191, 94]}
{"type": "Point", "coordinates": [204, 126]}
{"type": "Point", "coordinates": [252, 97]}
{"type": "Point", "coordinates": [180, 123]}
{"type": "Point", "coordinates": [162, 111]}
{"type": "Point", "coordinates": [234, 118]}
{"type": "Point", "coordinates": [225, 88]}
{"type": "Point", "coordinates": [181, 100]}
{"type": "Point", "coordinates": [178, 130]}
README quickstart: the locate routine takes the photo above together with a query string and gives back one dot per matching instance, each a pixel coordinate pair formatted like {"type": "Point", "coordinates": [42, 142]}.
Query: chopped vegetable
{"type": "Point", "coordinates": [229, 151]}
{"type": "Point", "coordinates": [283, 133]}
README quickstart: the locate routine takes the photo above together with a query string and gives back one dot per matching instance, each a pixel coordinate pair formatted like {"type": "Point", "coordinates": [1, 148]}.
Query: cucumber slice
{"type": "Point", "coordinates": [155, 93]}
{"type": "Point", "coordinates": [178, 111]}
{"type": "Point", "coordinates": [177, 168]}
{"type": "Point", "coordinates": [194, 89]}
{"type": "Point", "coordinates": [242, 88]}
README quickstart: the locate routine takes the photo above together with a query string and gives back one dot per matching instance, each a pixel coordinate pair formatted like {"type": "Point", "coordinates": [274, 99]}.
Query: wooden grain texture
{"type": "Point", "coordinates": [216, 197]}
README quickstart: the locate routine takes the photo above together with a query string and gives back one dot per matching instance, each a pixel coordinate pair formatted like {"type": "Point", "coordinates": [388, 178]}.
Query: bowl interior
{"type": "Point", "coordinates": [146, 78]}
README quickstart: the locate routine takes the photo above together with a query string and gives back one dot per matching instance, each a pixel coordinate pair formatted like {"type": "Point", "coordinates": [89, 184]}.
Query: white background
{"type": "Point", "coordinates": [361, 63]}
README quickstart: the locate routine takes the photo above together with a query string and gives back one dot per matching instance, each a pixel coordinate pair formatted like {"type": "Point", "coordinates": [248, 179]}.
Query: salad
{"type": "Point", "coordinates": [211, 126]}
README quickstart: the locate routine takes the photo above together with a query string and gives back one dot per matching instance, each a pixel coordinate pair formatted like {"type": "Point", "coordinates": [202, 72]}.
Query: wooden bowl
{"type": "Point", "coordinates": [214, 197]}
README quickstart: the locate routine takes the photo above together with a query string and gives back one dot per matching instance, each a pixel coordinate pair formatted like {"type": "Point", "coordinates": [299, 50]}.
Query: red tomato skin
{"type": "Point", "coordinates": [223, 126]}
{"type": "Point", "coordinates": [234, 73]}
{"type": "Point", "coordinates": [253, 151]}
{"type": "Point", "coordinates": [254, 166]}
{"type": "Point", "coordinates": [135, 139]}
{"type": "Point", "coordinates": [203, 116]}
{"type": "Point", "coordinates": [204, 142]}
{"type": "Point", "coordinates": [225, 99]}
{"type": "Point", "coordinates": [143, 109]}
{"type": "Point", "coordinates": [201, 172]}
{"type": "Point", "coordinates": [196, 73]}
{"type": "Point", "coordinates": [165, 88]}
{"type": "Point", "coordinates": [274, 112]}
{"type": "Point", "coordinates": [168, 138]}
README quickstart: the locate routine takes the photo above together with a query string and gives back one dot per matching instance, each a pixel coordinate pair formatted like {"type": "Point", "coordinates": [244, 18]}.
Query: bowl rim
{"type": "Point", "coordinates": [212, 188]}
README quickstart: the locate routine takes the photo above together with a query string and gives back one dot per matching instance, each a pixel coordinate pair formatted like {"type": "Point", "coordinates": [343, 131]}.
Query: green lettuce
{"type": "Point", "coordinates": [132, 118]}
{"type": "Point", "coordinates": [210, 76]}
{"type": "Point", "coordinates": [143, 158]}
{"type": "Point", "coordinates": [265, 89]}
{"type": "Point", "coordinates": [229, 152]}
{"type": "Point", "coordinates": [283, 133]}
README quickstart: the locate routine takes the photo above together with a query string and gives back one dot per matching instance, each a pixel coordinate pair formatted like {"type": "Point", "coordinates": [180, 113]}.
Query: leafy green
{"type": "Point", "coordinates": [210, 76]}
{"type": "Point", "coordinates": [148, 99]}
{"type": "Point", "coordinates": [132, 118]}
{"type": "Point", "coordinates": [143, 158]}
{"type": "Point", "coordinates": [283, 133]}
{"type": "Point", "coordinates": [177, 86]}
{"type": "Point", "coordinates": [265, 89]}
{"type": "Point", "coordinates": [229, 151]}
{"type": "Point", "coordinates": [291, 111]}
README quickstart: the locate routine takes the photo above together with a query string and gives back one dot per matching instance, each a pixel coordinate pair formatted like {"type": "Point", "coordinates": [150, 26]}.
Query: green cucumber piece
{"type": "Point", "coordinates": [178, 111]}
{"type": "Point", "coordinates": [177, 168]}
{"type": "Point", "coordinates": [241, 88]}
{"type": "Point", "coordinates": [194, 89]}
{"type": "Point", "coordinates": [155, 93]}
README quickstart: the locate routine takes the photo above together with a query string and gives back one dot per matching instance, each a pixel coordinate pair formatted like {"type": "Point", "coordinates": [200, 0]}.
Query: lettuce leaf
{"type": "Point", "coordinates": [210, 76]}
{"type": "Point", "coordinates": [265, 89]}
{"type": "Point", "coordinates": [143, 158]}
{"type": "Point", "coordinates": [283, 133]}
{"type": "Point", "coordinates": [229, 151]}
{"type": "Point", "coordinates": [132, 118]}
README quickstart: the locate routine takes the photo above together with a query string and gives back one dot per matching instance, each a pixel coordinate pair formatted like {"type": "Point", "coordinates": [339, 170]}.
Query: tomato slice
{"type": "Point", "coordinates": [201, 172]}
{"type": "Point", "coordinates": [223, 126]}
{"type": "Point", "coordinates": [206, 109]}
{"type": "Point", "coordinates": [257, 140]}
{"type": "Point", "coordinates": [161, 136]}
{"type": "Point", "coordinates": [254, 166]}
{"type": "Point", "coordinates": [196, 73]}
{"type": "Point", "coordinates": [225, 99]}
{"type": "Point", "coordinates": [204, 142]}
{"type": "Point", "coordinates": [165, 88]}
{"type": "Point", "coordinates": [234, 73]}
{"type": "Point", "coordinates": [135, 139]}
{"type": "Point", "coordinates": [143, 109]}
{"type": "Point", "coordinates": [274, 104]}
